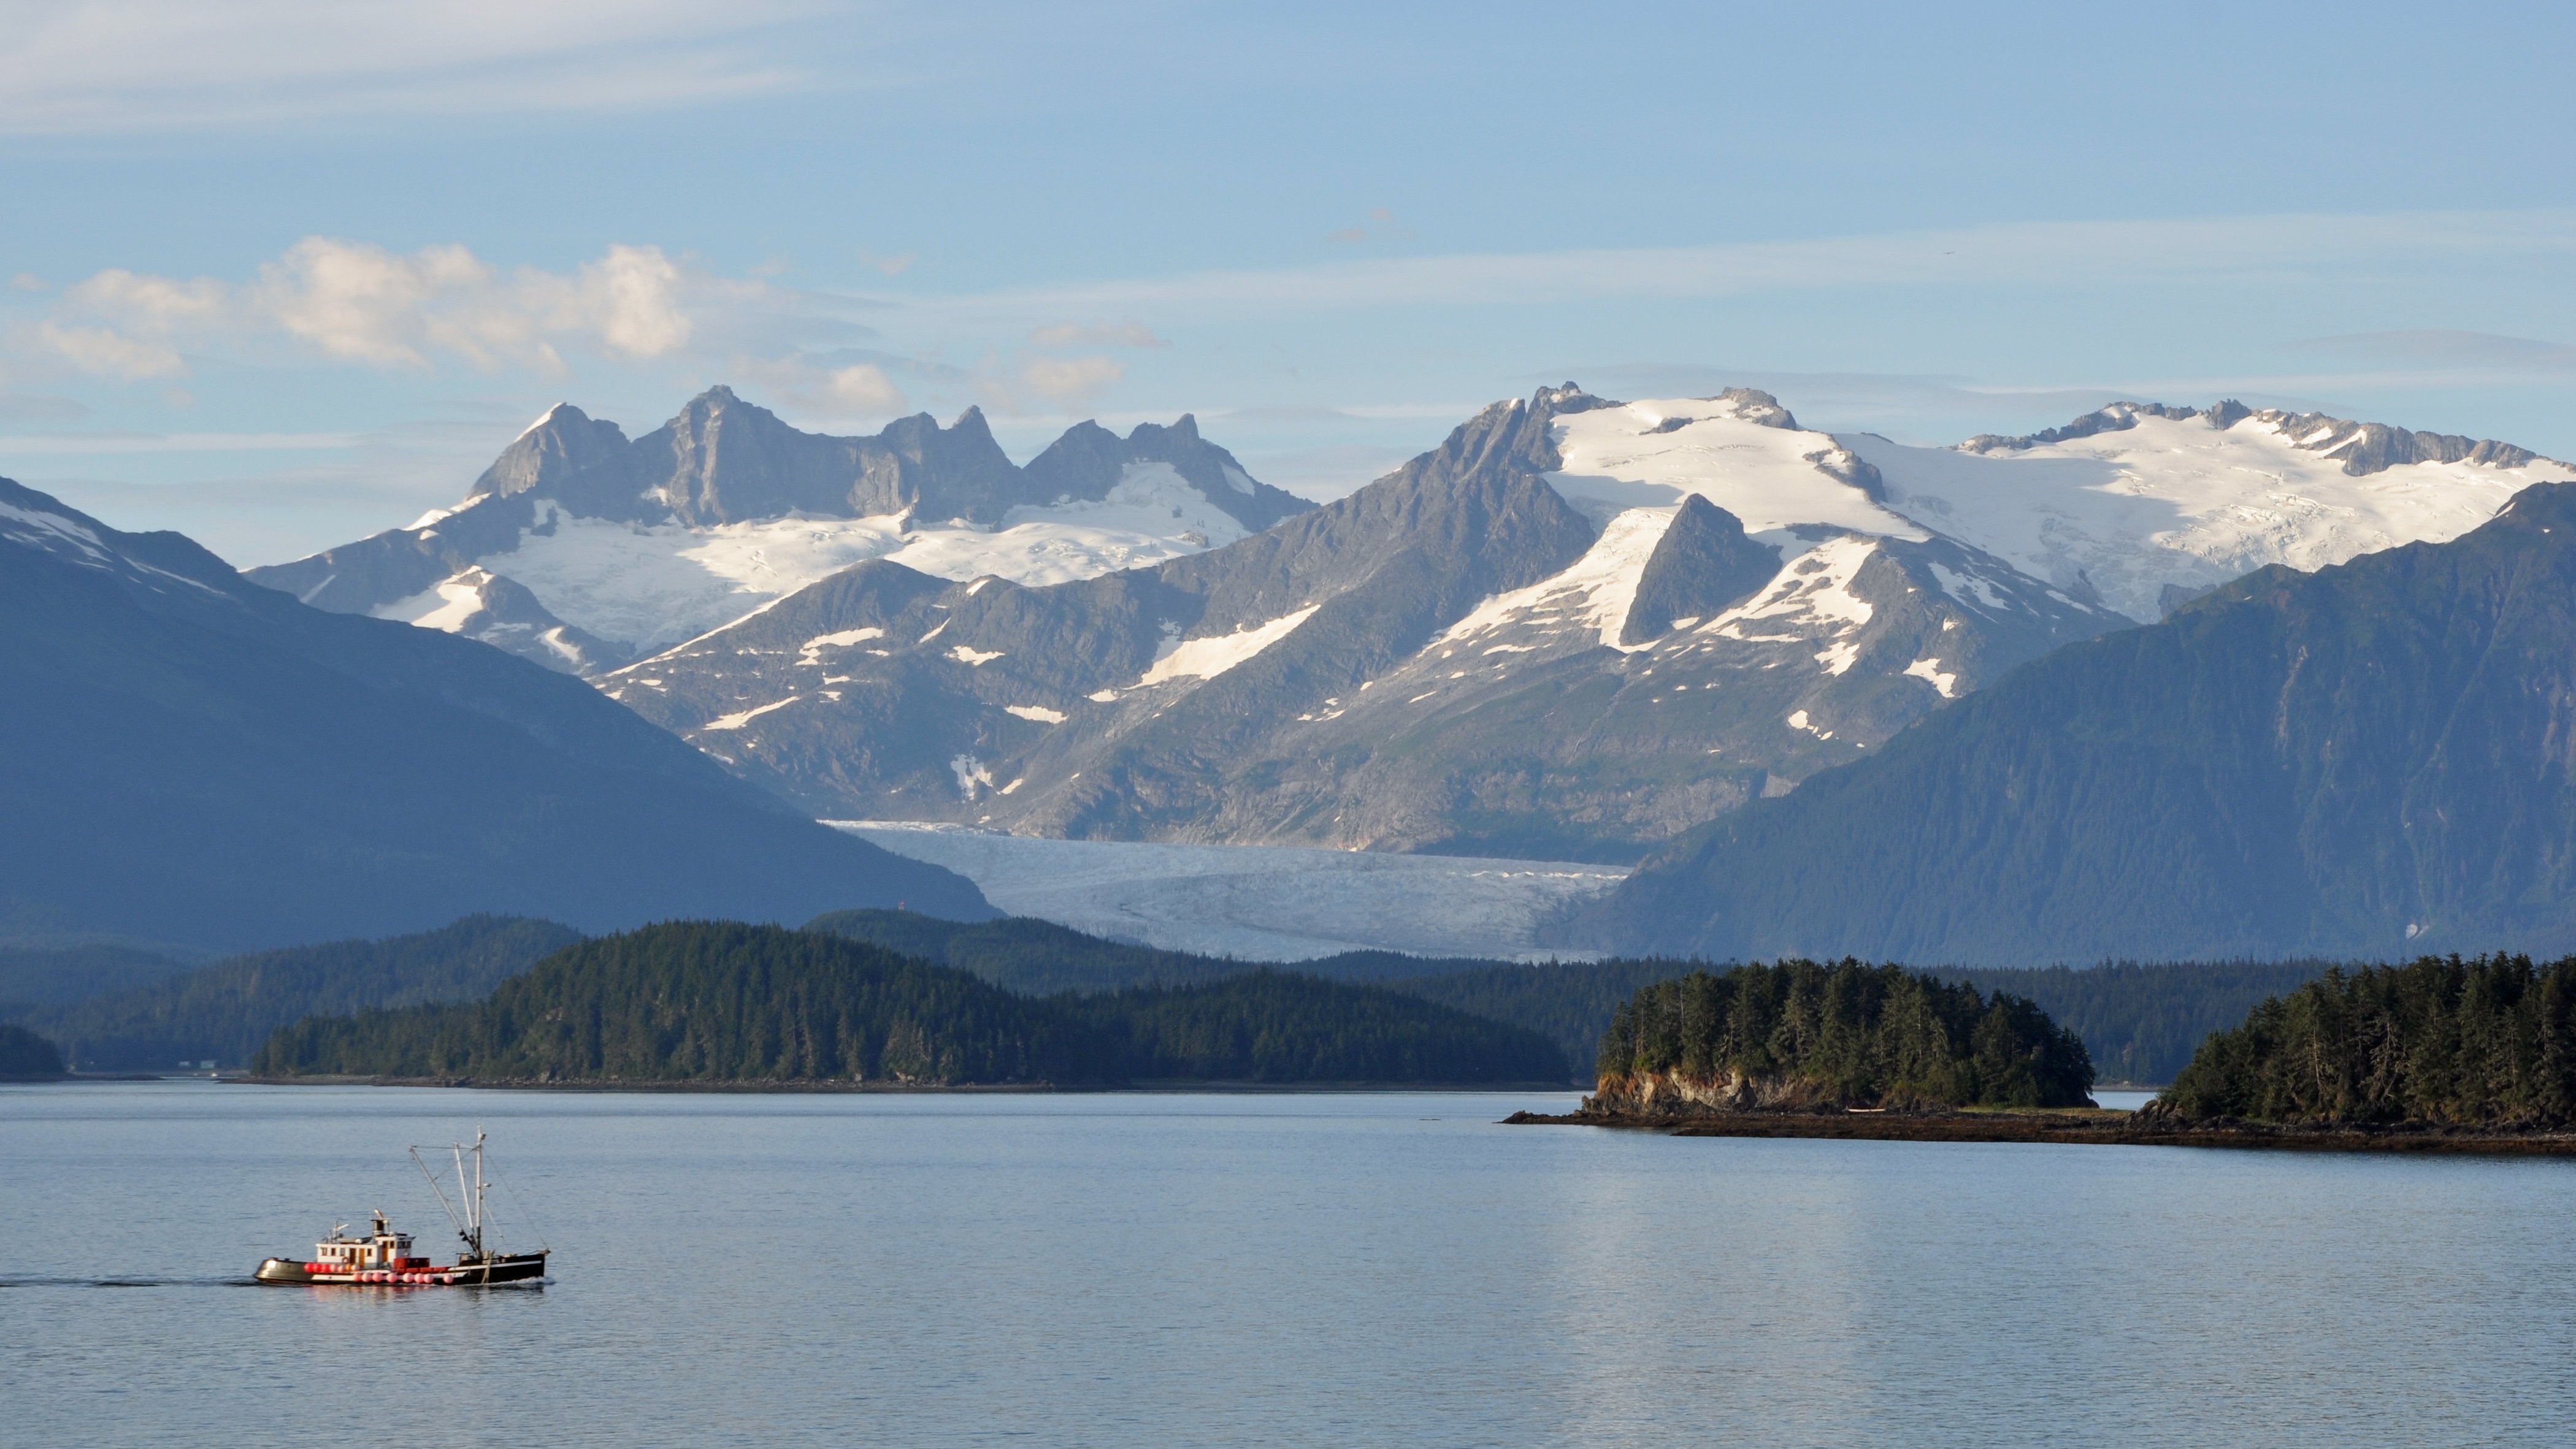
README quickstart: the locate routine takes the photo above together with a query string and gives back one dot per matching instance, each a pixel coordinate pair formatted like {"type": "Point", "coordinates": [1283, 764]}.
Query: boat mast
{"type": "Point", "coordinates": [479, 1186]}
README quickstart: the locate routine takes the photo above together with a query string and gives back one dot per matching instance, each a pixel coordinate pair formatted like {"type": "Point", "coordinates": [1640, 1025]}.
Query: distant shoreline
{"type": "Point", "coordinates": [1148, 1088]}
{"type": "Point", "coordinates": [2086, 1126]}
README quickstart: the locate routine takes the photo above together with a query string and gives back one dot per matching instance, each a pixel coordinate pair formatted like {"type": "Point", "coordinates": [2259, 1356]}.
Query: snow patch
{"type": "Point", "coordinates": [972, 775]}
{"type": "Point", "coordinates": [1930, 669]}
{"type": "Point", "coordinates": [1209, 657]}
{"type": "Point", "coordinates": [811, 654]}
{"type": "Point", "coordinates": [1593, 595]}
{"type": "Point", "coordinates": [1798, 721]}
{"type": "Point", "coordinates": [738, 720]}
{"type": "Point", "coordinates": [1038, 712]}
{"type": "Point", "coordinates": [966, 654]}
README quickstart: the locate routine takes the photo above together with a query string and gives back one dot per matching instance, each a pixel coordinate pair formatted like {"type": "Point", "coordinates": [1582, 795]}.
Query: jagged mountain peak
{"type": "Point", "coordinates": [634, 545]}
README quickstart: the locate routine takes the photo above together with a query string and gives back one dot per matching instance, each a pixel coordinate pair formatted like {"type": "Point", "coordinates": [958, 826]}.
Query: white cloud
{"type": "Point", "coordinates": [860, 390]}
{"type": "Point", "coordinates": [357, 302]}
{"type": "Point", "coordinates": [129, 65]}
{"type": "Point", "coordinates": [1069, 381]}
{"type": "Point", "coordinates": [102, 353]}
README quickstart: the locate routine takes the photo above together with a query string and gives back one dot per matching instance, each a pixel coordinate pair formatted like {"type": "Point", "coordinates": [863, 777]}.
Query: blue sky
{"type": "Point", "coordinates": [289, 273]}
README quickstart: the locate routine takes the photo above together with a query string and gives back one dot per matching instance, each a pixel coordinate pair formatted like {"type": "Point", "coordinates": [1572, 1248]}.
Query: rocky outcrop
{"type": "Point", "coordinates": [1674, 1094]}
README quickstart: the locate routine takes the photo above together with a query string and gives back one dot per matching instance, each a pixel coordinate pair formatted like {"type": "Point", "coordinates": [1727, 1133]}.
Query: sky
{"type": "Point", "coordinates": [281, 274]}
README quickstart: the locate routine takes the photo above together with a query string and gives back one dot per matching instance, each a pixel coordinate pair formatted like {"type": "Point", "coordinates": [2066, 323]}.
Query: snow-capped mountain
{"type": "Point", "coordinates": [2143, 506]}
{"type": "Point", "coordinates": [1576, 628]}
{"type": "Point", "coordinates": [581, 549]}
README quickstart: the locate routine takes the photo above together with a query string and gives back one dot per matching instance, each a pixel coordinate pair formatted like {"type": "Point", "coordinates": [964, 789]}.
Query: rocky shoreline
{"type": "Point", "coordinates": [2091, 1126]}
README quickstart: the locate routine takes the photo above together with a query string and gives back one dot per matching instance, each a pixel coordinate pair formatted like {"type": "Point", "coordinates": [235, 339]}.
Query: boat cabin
{"type": "Point", "coordinates": [380, 1248]}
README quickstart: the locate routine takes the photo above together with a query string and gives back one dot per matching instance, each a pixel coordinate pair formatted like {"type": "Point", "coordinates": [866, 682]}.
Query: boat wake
{"type": "Point", "coordinates": [27, 1280]}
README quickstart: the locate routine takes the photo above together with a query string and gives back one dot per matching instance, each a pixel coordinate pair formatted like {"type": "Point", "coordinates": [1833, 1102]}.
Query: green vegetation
{"type": "Point", "coordinates": [2142, 1022]}
{"type": "Point", "coordinates": [2490, 1041]}
{"type": "Point", "coordinates": [224, 1011]}
{"type": "Point", "coordinates": [723, 1002]}
{"type": "Point", "coordinates": [1847, 1033]}
{"type": "Point", "coordinates": [708, 1002]}
{"type": "Point", "coordinates": [25, 1054]}
{"type": "Point", "coordinates": [1272, 1026]}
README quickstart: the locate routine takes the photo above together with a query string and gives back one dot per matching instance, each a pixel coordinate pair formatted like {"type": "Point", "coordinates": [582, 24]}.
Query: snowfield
{"type": "Point", "coordinates": [1258, 902]}
{"type": "Point", "coordinates": [2174, 501]}
{"type": "Point", "coordinates": [656, 585]}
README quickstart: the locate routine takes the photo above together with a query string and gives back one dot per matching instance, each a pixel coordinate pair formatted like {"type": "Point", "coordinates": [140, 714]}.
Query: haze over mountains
{"type": "Point", "coordinates": [192, 760]}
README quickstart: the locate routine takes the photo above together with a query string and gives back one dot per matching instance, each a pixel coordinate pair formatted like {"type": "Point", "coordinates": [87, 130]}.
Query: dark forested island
{"type": "Point", "coordinates": [721, 1003]}
{"type": "Point", "coordinates": [1806, 1035]}
{"type": "Point", "coordinates": [2488, 1042]}
{"type": "Point", "coordinates": [2443, 1055]}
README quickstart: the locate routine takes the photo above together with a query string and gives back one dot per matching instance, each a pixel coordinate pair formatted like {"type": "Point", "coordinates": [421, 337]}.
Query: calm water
{"type": "Point", "coordinates": [1254, 1270]}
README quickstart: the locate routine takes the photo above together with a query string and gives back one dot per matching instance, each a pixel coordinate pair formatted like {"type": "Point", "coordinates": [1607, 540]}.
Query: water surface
{"type": "Point", "coordinates": [1309, 1269]}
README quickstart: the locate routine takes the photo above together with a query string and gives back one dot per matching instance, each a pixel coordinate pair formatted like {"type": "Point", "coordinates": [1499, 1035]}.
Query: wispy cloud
{"type": "Point", "coordinates": [73, 444]}
{"type": "Point", "coordinates": [70, 66]}
{"type": "Point", "coordinates": [2449, 346]}
{"type": "Point", "coordinates": [1097, 334]}
{"type": "Point", "coordinates": [2026, 254]}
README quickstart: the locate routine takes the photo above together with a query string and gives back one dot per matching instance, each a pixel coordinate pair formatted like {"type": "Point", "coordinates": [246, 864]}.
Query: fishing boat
{"type": "Point", "coordinates": [383, 1258]}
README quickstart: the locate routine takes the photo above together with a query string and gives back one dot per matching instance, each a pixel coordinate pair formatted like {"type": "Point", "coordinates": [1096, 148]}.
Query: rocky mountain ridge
{"type": "Point", "coordinates": [580, 549]}
{"type": "Point", "coordinates": [1512, 645]}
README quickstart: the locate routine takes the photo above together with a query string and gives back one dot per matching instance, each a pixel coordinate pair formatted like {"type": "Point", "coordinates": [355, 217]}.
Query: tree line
{"type": "Point", "coordinates": [2489, 1041]}
{"type": "Point", "coordinates": [727, 1002]}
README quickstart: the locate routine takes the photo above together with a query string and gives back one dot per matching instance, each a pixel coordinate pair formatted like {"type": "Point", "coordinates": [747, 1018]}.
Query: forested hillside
{"type": "Point", "coordinates": [221, 1013]}
{"type": "Point", "coordinates": [1802, 1034]}
{"type": "Point", "coordinates": [2489, 1041]}
{"type": "Point", "coordinates": [719, 1002]}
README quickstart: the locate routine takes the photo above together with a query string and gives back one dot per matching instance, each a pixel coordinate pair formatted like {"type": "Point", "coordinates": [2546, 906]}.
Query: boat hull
{"type": "Point", "coordinates": [499, 1269]}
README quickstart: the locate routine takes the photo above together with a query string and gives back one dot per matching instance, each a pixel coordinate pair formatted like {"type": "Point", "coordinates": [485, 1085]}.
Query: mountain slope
{"type": "Point", "coordinates": [1523, 642]}
{"type": "Point", "coordinates": [580, 549]}
{"type": "Point", "coordinates": [191, 758]}
{"type": "Point", "coordinates": [2368, 760]}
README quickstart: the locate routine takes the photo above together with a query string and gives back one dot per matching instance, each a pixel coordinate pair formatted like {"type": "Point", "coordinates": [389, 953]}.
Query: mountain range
{"type": "Point", "coordinates": [580, 548]}
{"type": "Point", "coordinates": [1576, 630]}
{"type": "Point", "coordinates": [197, 762]}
